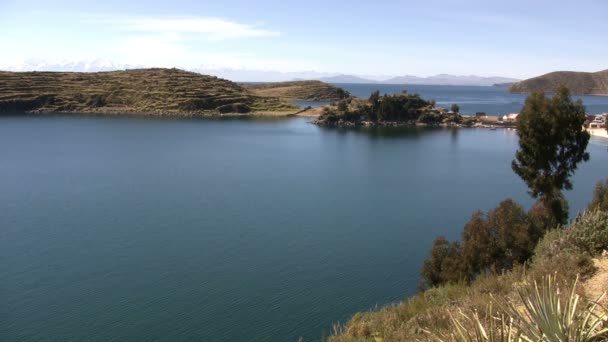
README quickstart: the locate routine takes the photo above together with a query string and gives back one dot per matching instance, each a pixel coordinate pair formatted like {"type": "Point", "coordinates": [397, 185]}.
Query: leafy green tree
{"type": "Point", "coordinates": [342, 94]}
{"type": "Point", "coordinates": [498, 240]}
{"type": "Point", "coordinates": [374, 101]}
{"type": "Point", "coordinates": [551, 145]}
{"type": "Point", "coordinates": [541, 218]}
{"type": "Point", "coordinates": [455, 108]}
{"type": "Point", "coordinates": [477, 244]}
{"type": "Point", "coordinates": [513, 241]}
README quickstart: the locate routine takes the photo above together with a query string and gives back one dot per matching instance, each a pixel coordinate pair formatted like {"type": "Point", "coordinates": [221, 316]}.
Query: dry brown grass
{"type": "Point", "coordinates": [598, 284]}
{"type": "Point", "coordinates": [593, 83]}
{"type": "Point", "coordinates": [297, 90]}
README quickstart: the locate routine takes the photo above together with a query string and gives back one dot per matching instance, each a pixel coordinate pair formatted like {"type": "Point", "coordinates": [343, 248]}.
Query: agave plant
{"type": "Point", "coordinates": [471, 329]}
{"type": "Point", "coordinates": [545, 317]}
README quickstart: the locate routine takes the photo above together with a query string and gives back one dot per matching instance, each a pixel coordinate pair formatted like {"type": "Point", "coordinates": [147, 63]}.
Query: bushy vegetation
{"type": "Point", "coordinates": [561, 253]}
{"type": "Point", "coordinates": [395, 108]}
{"type": "Point", "coordinates": [495, 241]}
{"type": "Point", "coordinates": [600, 196]}
{"type": "Point", "coordinates": [550, 313]}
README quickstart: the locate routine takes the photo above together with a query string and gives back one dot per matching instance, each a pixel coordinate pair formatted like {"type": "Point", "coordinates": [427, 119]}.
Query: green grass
{"type": "Point", "coordinates": [142, 91]}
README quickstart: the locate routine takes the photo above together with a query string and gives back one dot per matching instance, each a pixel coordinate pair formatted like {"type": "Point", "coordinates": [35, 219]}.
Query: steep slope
{"type": "Point", "coordinates": [141, 91]}
{"type": "Point", "coordinates": [580, 83]}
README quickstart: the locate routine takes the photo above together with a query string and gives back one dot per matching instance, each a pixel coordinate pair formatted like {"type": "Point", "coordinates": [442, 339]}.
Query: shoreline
{"type": "Point", "coordinates": [598, 132]}
{"type": "Point", "coordinates": [154, 114]}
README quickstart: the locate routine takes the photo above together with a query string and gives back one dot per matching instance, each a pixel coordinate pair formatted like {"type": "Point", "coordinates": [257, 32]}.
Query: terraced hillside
{"type": "Point", "coordinates": [580, 83]}
{"type": "Point", "coordinates": [299, 90]}
{"type": "Point", "coordinates": [141, 91]}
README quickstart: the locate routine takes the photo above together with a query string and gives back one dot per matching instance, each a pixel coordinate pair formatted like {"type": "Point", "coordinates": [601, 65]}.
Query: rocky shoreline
{"type": "Point", "coordinates": [380, 124]}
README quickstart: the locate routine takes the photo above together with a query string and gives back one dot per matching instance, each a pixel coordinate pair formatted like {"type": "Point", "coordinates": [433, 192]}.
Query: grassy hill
{"type": "Point", "coordinates": [141, 91]}
{"type": "Point", "coordinates": [580, 83]}
{"type": "Point", "coordinates": [298, 90]}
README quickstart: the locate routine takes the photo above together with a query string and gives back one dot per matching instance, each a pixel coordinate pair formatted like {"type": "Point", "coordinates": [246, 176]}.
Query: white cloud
{"type": "Point", "coordinates": [211, 28]}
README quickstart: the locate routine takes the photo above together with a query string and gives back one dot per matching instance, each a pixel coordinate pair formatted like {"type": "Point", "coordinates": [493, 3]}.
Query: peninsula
{"type": "Point", "coordinates": [579, 83]}
{"type": "Point", "coordinates": [298, 90]}
{"type": "Point", "coordinates": [389, 110]}
{"type": "Point", "coordinates": [151, 92]}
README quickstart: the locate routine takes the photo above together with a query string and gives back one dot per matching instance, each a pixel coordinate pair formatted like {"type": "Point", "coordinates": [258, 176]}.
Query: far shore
{"type": "Point", "coordinates": [598, 132]}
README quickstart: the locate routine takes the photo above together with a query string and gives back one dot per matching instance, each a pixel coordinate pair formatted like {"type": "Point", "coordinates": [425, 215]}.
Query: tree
{"type": "Point", "coordinates": [374, 100]}
{"type": "Point", "coordinates": [551, 145]}
{"type": "Point", "coordinates": [455, 108]}
{"type": "Point", "coordinates": [443, 265]}
{"type": "Point", "coordinates": [513, 241]}
{"type": "Point", "coordinates": [498, 240]}
{"type": "Point", "coordinates": [477, 244]}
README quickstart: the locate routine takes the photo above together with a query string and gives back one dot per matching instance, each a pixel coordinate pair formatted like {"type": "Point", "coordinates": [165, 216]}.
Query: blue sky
{"type": "Point", "coordinates": [504, 38]}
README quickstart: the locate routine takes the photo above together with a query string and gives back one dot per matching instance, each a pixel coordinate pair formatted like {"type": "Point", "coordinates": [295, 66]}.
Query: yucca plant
{"type": "Point", "coordinates": [548, 318]}
{"type": "Point", "coordinates": [545, 317]}
{"type": "Point", "coordinates": [470, 328]}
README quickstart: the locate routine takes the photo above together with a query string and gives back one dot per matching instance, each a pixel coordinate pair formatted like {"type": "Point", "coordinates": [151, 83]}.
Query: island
{"type": "Point", "coordinates": [579, 83]}
{"type": "Point", "coordinates": [151, 92]}
{"type": "Point", "coordinates": [402, 109]}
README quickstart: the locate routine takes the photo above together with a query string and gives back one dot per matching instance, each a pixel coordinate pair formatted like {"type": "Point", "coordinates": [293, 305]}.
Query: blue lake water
{"type": "Point", "coordinates": [120, 229]}
{"type": "Point", "coordinates": [471, 99]}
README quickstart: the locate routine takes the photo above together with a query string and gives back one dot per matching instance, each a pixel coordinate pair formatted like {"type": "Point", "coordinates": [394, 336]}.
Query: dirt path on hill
{"type": "Point", "coordinates": [598, 284]}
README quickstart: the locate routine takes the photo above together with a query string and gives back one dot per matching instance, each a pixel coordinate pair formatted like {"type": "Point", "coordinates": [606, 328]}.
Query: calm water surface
{"type": "Point", "coordinates": [119, 229]}
{"type": "Point", "coordinates": [471, 99]}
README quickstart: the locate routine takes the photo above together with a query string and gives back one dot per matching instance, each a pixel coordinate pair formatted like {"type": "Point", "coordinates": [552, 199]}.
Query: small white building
{"type": "Point", "coordinates": [510, 117]}
{"type": "Point", "coordinates": [601, 119]}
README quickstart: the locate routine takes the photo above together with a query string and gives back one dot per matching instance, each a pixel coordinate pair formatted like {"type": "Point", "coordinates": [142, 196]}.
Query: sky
{"type": "Point", "coordinates": [512, 38]}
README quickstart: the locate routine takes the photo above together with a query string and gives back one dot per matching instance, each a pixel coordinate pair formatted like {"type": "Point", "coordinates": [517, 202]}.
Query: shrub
{"type": "Point", "coordinates": [548, 315]}
{"type": "Point", "coordinates": [499, 240]}
{"type": "Point", "coordinates": [569, 251]}
{"type": "Point", "coordinates": [600, 197]}
{"type": "Point", "coordinates": [444, 265]}
{"type": "Point", "coordinates": [234, 108]}
{"type": "Point", "coordinates": [492, 242]}
{"type": "Point", "coordinates": [589, 234]}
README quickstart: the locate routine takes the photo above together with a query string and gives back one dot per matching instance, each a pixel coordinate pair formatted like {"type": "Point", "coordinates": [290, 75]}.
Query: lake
{"type": "Point", "coordinates": [471, 99]}
{"type": "Point", "coordinates": [120, 229]}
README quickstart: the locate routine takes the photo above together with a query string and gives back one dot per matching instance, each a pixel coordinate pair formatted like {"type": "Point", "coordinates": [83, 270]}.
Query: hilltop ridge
{"type": "Point", "coordinates": [139, 91]}
{"type": "Point", "coordinates": [579, 83]}
{"type": "Point", "coordinates": [298, 90]}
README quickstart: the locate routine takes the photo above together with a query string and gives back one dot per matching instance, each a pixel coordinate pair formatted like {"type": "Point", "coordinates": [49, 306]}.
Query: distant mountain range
{"type": "Point", "coordinates": [347, 79]}
{"type": "Point", "coordinates": [247, 75]}
{"type": "Point", "coordinates": [442, 79]}
{"type": "Point", "coordinates": [445, 79]}
{"type": "Point", "coordinates": [580, 83]}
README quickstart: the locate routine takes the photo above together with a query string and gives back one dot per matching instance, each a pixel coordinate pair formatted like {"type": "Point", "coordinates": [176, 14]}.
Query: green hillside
{"type": "Point", "coordinates": [141, 91]}
{"type": "Point", "coordinates": [580, 83]}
